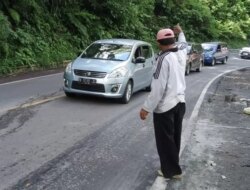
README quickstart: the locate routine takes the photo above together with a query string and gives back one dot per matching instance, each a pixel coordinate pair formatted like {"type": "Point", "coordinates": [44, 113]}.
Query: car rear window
{"type": "Point", "coordinates": [209, 47]}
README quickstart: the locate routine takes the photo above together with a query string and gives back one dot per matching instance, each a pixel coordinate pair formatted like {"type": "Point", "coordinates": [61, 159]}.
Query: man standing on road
{"type": "Point", "coordinates": [167, 99]}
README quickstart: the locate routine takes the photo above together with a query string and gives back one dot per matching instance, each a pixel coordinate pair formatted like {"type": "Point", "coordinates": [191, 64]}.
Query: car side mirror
{"type": "Point", "coordinates": [140, 60]}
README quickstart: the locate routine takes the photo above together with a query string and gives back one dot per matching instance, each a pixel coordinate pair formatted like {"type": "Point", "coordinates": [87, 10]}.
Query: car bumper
{"type": "Point", "coordinates": [105, 87]}
{"type": "Point", "coordinates": [245, 55]}
{"type": "Point", "coordinates": [208, 60]}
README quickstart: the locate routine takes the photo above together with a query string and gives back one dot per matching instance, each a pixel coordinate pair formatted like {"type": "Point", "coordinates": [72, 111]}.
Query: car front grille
{"type": "Point", "coordinates": [92, 74]}
{"type": "Point", "coordinates": [88, 87]}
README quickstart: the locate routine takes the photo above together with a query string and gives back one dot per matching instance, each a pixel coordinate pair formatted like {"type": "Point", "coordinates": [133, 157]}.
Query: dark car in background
{"type": "Point", "coordinates": [194, 57]}
{"type": "Point", "coordinates": [215, 52]}
{"type": "Point", "coordinates": [245, 53]}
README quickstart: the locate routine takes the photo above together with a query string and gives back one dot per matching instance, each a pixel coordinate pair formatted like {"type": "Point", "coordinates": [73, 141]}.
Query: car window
{"type": "Point", "coordinates": [116, 52]}
{"type": "Point", "coordinates": [224, 47]}
{"type": "Point", "coordinates": [219, 48]}
{"type": "Point", "coordinates": [209, 47]}
{"type": "Point", "coordinates": [146, 52]}
{"type": "Point", "coordinates": [198, 48]}
{"type": "Point", "coordinates": [195, 48]}
{"type": "Point", "coordinates": [138, 52]}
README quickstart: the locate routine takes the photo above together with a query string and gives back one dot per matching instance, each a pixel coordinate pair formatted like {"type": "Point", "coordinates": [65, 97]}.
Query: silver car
{"type": "Point", "coordinates": [244, 53]}
{"type": "Point", "coordinates": [113, 68]}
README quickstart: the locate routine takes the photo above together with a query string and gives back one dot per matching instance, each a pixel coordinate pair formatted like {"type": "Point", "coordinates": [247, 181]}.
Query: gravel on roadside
{"type": "Point", "coordinates": [218, 154]}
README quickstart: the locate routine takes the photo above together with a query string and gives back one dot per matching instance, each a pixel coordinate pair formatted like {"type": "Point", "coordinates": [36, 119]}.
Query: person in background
{"type": "Point", "coordinates": [167, 99]}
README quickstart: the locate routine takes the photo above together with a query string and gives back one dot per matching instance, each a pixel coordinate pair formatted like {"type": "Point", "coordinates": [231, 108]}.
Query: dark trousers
{"type": "Point", "coordinates": [168, 126]}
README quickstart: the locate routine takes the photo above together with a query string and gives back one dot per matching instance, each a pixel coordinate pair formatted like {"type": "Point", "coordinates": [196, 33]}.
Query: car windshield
{"type": "Point", "coordinates": [108, 51]}
{"type": "Point", "coordinates": [208, 47]}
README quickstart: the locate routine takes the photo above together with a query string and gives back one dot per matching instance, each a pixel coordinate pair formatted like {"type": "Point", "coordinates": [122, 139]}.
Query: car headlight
{"type": "Point", "coordinates": [117, 73]}
{"type": "Point", "coordinates": [69, 68]}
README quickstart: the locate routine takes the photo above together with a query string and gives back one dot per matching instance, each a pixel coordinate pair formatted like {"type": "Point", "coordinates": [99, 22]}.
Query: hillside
{"type": "Point", "coordinates": [38, 34]}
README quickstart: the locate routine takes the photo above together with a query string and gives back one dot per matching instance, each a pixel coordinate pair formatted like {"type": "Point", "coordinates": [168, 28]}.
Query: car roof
{"type": "Point", "coordinates": [122, 41]}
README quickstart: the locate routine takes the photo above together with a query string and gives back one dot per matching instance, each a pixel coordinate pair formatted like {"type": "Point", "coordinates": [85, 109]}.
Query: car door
{"type": "Point", "coordinates": [224, 50]}
{"type": "Point", "coordinates": [147, 53]}
{"type": "Point", "coordinates": [143, 72]}
{"type": "Point", "coordinates": [218, 54]}
{"type": "Point", "coordinates": [138, 72]}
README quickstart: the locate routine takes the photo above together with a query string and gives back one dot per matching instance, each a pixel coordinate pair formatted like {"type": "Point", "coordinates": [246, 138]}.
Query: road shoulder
{"type": "Point", "coordinates": [217, 156]}
{"type": "Point", "coordinates": [29, 74]}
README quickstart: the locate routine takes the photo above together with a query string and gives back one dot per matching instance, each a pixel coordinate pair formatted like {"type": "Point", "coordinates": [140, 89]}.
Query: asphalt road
{"type": "Point", "coordinates": [54, 142]}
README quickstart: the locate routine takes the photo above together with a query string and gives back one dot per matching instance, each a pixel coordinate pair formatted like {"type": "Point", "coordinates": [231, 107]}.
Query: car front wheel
{"type": "Point", "coordinates": [213, 62]}
{"type": "Point", "coordinates": [127, 93]}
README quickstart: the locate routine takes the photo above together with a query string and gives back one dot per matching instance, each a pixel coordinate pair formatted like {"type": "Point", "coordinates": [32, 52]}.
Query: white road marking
{"type": "Point", "coordinates": [160, 184]}
{"type": "Point", "coordinates": [211, 68]}
{"type": "Point", "coordinates": [18, 81]}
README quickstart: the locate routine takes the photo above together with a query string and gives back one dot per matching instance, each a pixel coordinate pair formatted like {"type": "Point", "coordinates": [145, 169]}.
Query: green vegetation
{"type": "Point", "coordinates": [41, 34]}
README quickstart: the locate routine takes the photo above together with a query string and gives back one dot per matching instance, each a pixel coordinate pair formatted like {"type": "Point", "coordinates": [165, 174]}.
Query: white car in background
{"type": "Point", "coordinates": [245, 53]}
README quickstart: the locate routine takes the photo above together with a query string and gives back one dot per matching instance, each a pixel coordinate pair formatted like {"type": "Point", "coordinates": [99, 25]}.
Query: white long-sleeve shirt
{"type": "Point", "coordinates": [168, 83]}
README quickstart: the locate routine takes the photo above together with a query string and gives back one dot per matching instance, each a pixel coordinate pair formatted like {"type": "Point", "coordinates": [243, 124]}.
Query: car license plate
{"type": "Point", "coordinates": [87, 81]}
{"type": "Point", "coordinates": [245, 53]}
